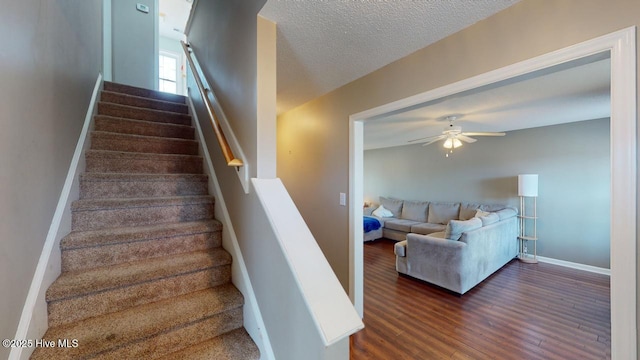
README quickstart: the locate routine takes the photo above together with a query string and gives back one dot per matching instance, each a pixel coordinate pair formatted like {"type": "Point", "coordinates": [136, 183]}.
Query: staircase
{"type": "Point", "coordinates": [144, 275]}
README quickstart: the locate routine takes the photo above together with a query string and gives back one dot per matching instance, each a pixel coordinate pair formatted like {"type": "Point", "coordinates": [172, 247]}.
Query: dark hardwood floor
{"type": "Point", "coordinates": [523, 311]}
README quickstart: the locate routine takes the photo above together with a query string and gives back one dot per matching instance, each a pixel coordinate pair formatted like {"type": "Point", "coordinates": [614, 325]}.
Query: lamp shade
{"type": "Point", "coordinates": [528, 185]}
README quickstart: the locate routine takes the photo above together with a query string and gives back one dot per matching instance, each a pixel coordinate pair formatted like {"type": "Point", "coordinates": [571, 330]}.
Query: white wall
{"type": "Point", "coordinates": [572, 161]}
{"type": "Point", "coordinates": [135, 50]}
{"type": "Point", "coordinates": [49, 64]}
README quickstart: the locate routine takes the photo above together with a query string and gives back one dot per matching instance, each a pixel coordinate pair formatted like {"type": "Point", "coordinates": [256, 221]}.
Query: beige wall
{"type": "Point", "coordinates": [50, 59]}
{"type": "Point", "coordinates": [573, 206]}
{"type": "Point", "coordinates": [313, 146]}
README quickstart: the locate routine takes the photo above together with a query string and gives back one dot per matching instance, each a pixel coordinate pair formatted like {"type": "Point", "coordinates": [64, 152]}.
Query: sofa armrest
{"type": "Point", "coordinates": [433, 249]}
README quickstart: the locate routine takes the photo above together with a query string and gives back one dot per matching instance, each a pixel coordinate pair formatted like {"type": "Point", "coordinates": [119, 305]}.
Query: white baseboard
{"type": "Point", "coordinates": [34, 319]}
{"type": "Point", "coordinates": [253, 322]}
{"type": "Point", "coordinates": [589, 268]}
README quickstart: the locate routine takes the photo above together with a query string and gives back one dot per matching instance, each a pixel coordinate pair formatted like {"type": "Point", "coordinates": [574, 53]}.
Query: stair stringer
{"type": "Point", "coordinates": [253, 321]}
{"type": "Point", "coordinates": [34, 318]}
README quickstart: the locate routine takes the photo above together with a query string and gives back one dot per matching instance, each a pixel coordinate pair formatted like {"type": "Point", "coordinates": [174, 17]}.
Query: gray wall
{"type": "Point", "coordinates": [134, 45]}
{"type": "Point", "coordinates": [50, 59]}
{"type": "Point", "coordinates": [572, 161]}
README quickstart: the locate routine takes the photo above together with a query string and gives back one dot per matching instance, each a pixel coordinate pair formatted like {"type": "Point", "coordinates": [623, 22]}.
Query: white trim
{"type": "Point", "coordinates": [156, 44]}
{"type": "Point", "coordinates": [336, 319]}
{"type": "Point", "coordinates": [577, 266]}
{"type": "Point", "coordinates": [622, 47]}
{"type": "Point", "coordinates": [33, 321]}
{"type": "Point", "coordinates": [356, 249]}
{"type": "Point", "coordinates": [253, 321]}
{"type": "Point", "coordinates": [107, 44]}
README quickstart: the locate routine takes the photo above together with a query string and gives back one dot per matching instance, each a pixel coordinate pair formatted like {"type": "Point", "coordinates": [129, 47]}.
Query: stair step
{"type": "Point", "coordinates": [234, 345]}
{"type": "Point", "coordinates": [89, 249]}
{"type": "Point", "coordinates": [150, 330]}
{"type": "Point", "coordinates": [143, 102]}
{"type": "Point", "coordinates": [78, 295]}
{"type": "Point", "coordinates": [124, 185]}
{"type": "Point", "coordinates": [101, 140]}
{"type": "Point", "coordinates": [131, 112]}
{"type": "Point", "coordinates": [94, 214]}
{"type": "Point", "coordinates": [136, 91]}
{"type": "Point", "coordinates": [141, 163]}
{"type": "Point", "coordinates": [141, 127]}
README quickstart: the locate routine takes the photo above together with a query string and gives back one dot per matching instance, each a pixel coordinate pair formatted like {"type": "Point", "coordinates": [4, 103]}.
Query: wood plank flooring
{"type": "Point", "coordinates": [523, 311]}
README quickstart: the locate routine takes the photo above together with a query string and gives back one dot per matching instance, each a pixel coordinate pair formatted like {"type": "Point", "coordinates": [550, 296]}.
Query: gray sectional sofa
{"type": "Point", "coordinates": [452, 245]}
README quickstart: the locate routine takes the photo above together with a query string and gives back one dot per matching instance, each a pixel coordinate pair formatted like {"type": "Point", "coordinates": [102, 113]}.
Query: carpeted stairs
{"type": "Point", "coordinates": [144, 275]}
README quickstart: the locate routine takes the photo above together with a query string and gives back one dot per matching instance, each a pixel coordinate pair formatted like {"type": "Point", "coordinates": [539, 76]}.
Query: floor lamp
{"type": "Point", "coordinates": [528, 188]}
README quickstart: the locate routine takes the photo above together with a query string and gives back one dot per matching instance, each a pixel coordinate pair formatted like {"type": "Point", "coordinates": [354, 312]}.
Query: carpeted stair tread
{"type": "Point", "coordinates": [102, 140]}
{"type": "Point", "coordinates": [77, 283]}
{"type": "Point", "coordinates": [132, 112]}
{"type": "Point", "coordinates": [137, 91]}
{"type": "Point", "coordinates": [126, 185]}
{"type": "Point", "coordinates": [145, 102]}
{"type": "Point", "coordinates": [111, 331]}
{"type": "Point", "coordinates": [234, 345]}
{"type": "Point", "coordinates": [121, 161]}
{"type": "Point", "coordinates": [94, 214]}
{"type": "Point", "coordinates": [101, 204]}
{"type": "Point", "coordinates": [142, 127]}
{"type": "Point", "coordinates": [82, 239]}
{"type": "Point", "coordinates": [91, 251]}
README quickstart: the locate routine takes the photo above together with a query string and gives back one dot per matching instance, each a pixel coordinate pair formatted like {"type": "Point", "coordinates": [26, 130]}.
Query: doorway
{"type": "Point", "coordinates": [621, 47]}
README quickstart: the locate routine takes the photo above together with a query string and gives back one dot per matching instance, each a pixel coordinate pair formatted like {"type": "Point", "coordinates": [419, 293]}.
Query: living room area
{"type": "Point", "coordinates": [573, 162]}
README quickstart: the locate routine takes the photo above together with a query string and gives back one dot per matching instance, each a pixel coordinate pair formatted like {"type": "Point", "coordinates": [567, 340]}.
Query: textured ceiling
{"type": "Point", "coordinates": [323, 45]}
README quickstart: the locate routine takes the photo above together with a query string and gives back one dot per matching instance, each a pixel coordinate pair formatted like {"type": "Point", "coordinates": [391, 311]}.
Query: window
{"type": "Point", "coordinates": [168, 71]}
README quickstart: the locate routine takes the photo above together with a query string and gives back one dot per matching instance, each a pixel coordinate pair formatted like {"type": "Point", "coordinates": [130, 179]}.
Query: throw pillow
{"type": "Point", "coordinates": [415, 210]}
{"type": "Point", "coordinates": [382, 212]}
{"type": "Point", "coordinates": [467, 210]}
{"type": "Point", "coordinates": [480, 213]}
{"type": "Point", "coordinates": [489, 219]}
{"type": "Point", "coordinates": [442, 213]}
{"type": "Point", "coordinates": [455, 228]}
{"type": "Point", "coordinates": [393, 205]}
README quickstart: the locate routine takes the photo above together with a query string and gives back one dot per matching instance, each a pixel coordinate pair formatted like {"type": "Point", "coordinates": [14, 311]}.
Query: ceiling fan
{"type": "Point", "coordinates": [453, 136]}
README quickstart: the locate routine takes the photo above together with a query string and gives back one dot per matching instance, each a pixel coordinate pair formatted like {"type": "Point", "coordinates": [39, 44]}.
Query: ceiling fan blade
{"type": "Point", "coordinates": [434, 140]}
{"type": "Point", "coordinates": [466, 138]}
{"type": "Point", "coordinates": [428, 138]}
{"type": "Point", "coordinates": [484, 133]}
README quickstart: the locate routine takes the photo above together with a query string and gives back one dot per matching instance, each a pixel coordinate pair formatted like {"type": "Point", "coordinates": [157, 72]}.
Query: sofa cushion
{"type": "Point", "coordinates": [415, 210]}
{"type": "Point", "coordinates": [507, 213]}
{"type": "Point", "coordinates": [455, 228]}
{"type": "Point", "coordinates": [489, 219]}
{"type": "Point", "coordinates": [442, 213]}
{"type": "Point", "coordinates": [400, 224]}
{"type": "Point", "coordinates": [393, 205]}
{"type": "Point", "coordinates": [468, 210]}
{"type": "Point", "coordinates": [492, 207]}
{"type": "Point", "coordinates": [427, 228]}
{"type": "Point", "coordinates": [368, 210]}
{"type": "Point", "coordinates": [381, 212]}
{"type": "Point", "coordinates": [400, 248]}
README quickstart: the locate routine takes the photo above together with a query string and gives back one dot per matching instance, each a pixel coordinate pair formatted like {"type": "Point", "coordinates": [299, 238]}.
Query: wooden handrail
{"type": "Point", "coordinates": [215, 123]}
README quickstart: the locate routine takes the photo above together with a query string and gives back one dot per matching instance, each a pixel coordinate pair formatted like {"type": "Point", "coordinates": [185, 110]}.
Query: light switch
{"type": "Point", "coordinates": [343, 199]}
{"type": "Point", "coordinates": [142, 8]}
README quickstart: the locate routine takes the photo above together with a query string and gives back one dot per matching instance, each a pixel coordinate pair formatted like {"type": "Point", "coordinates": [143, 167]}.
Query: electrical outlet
{"type": "Point", "coordinates": [343, 199]}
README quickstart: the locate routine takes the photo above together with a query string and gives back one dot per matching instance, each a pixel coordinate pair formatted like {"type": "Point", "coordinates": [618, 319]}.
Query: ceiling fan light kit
{"type": "Point", "coordinates": [453, 136]}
